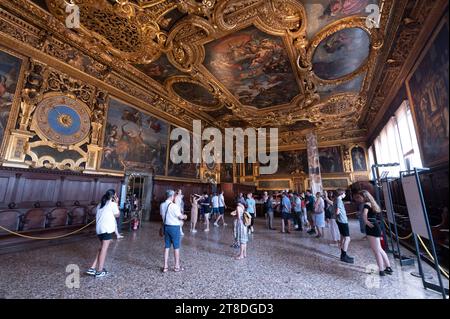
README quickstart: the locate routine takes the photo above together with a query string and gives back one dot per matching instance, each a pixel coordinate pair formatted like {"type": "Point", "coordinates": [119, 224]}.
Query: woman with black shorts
{"type": "Point", "coordinates": [373, 232]}
{"type": "Point", "coordinates": [107, 211]}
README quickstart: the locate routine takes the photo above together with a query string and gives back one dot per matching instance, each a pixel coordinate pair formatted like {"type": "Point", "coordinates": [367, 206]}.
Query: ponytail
{"type": "Point", "coordinates": [105, 198]}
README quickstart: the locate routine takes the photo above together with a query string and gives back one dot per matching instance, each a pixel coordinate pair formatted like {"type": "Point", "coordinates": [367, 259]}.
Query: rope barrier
{"type": "Point", "coordinates": [424, 246]}
{"type": "Point", "coordinates": [46, 238]}
{"type": "Point", "coordinates": [403, 238]}
{"type": "Point", "coordinates": [429, 255]}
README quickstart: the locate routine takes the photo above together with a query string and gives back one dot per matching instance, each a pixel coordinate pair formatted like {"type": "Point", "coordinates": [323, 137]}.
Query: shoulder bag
{"type": "Point", "coordinates": [161, 230]}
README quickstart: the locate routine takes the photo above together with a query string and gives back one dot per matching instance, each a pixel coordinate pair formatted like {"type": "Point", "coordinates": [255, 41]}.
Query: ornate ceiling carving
{"type": "Point", "coordinates": [250, 60]}
{"type": "Point", "coordinates": [229, 61]}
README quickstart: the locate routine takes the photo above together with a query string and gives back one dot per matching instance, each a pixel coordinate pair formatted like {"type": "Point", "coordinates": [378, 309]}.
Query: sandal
{"type": "Point", "coordinates": [165, 269]}
{"type": "Point", "coordinates": [178, 269]}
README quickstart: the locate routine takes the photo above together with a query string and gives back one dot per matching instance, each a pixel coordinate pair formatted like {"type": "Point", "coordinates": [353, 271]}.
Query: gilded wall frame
{"type": "Point", "coordinates": [289, 182]}
{"type": "Point", "coordinates": [14, 111]}
{"type": "Point", "coordinates": [366, 158]}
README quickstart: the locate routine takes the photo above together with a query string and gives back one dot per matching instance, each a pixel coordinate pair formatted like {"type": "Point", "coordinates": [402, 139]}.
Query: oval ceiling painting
{"type": "Point", "coordinates": [195, 94]}
{"type": "Point", "coordinates": [341, 53]}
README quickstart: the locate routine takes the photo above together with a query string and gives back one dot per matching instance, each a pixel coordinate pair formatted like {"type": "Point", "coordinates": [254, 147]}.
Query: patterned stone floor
{"type": "Point", "coordinates": [278, 266]}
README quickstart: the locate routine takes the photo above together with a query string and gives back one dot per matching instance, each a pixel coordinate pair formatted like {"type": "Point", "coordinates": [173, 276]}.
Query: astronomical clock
{"type": "Point", "coordinates": [62, 120]}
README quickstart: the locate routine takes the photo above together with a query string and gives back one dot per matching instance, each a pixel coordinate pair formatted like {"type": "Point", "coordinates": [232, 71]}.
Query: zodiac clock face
{"type": "Point", "coordinates": [62, 120]}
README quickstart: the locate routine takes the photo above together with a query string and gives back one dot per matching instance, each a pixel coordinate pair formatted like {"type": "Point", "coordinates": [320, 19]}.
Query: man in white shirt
{"type": "Point", "coordinates": [221, 208]}
{"type": "Point", "coordinates": [172, 217]}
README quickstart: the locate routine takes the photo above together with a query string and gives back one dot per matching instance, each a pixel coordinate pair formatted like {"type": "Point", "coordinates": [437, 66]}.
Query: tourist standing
{"type": "Point", "coordinates": [342, 222]}
{"type": "Point", "coordinates": [215, 208]}
{"type": "Point", "coordinates": [171, 216]}
{"type": "Point", "coordinates": [305, 222]}
{"type": "Point", "coordinates": [251, 209]}
{"type": "Point", "coordinates": [222, 206]}
{"type": "Point", "coordinates": [241, 199]}
{"type": "Point", "coordinates": [107, 211]}
{"type": "Point", "coordinates": [310, 211]}
{"type": "Point", "coordinates": [206, 208]}
{"type": "Point", "coordinates": [194, 212]}
{"type": "Point", "coordinates": [298, 211]}
{"type": "Point", "coordinates": [241, 231]}
{"type": "Point", "coordinates": [285, 213]}
{"type": "Point", "coordinates": [268, 210]}
{"type": "Point", "coordinates": [319, 215]}
{"type": "Point", "coordinates": [362, 225]}
{"type": "Point", "coordinates": [334, 230]}
{"type": "Point", "coordinates": [373, 231]}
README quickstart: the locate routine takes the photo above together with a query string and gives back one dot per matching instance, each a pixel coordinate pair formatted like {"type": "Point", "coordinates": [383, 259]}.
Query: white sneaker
{"type": "Point", "coordinates": [225, 224]}
{"type": "Point", "coordinates": [193, 231]}
{"type": "Point", "coordinates": [215, 224]}
{"type": "Point", "coordinates": [206, 229]}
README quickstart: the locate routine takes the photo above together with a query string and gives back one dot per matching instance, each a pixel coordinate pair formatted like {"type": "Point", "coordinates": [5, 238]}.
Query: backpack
{"type": "Point", "coordinates": [247, 219]}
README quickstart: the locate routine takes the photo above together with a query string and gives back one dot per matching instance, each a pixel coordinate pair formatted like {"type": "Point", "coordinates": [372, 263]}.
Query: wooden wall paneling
{"type": "Point", "coordinates": [41, 189]}
{"type": "Point", "coordinates": [4, 182]}
{"type": "Point", "coordinates": [92, 190]}
{"type": "Point", "coordinates": [76, 189]}
{"type": "Point", "coordinates": [59, 188]}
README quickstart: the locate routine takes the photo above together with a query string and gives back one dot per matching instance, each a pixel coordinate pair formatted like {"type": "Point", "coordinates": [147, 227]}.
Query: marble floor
{"type": "Point", "coordinates": [278, 266]}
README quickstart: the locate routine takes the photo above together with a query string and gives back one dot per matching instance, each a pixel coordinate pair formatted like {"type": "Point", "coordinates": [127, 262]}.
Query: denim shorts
{"type": "Point", "coordinates": [172, 235]}
{"type": "Point", "coordinates": [221, 210]}
{"type": "Point", "coordinates": [215, 210]}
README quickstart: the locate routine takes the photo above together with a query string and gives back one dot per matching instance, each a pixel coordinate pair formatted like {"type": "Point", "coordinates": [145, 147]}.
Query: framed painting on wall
{"type": "Point", "coordinates": [226, 172]}
{"type": "Point", "coordinates": [274, 185]}
{"type": "Point", "coordinates": [292, 161]}
{"type": "Point", "coordinates": [133, 136]}
{"type": "Point", "coordinates": [12, 67]}
{"type": "Point", "coordinates": [184, 170]}
{"type": "Point", "coordinates": [427, 86]}
{"type": "Point", "coordinates": [335, 183]}
{"type": "Point", "coordinates": [359, 162]}
{"type": "Point", "coordinates": [331, 160]}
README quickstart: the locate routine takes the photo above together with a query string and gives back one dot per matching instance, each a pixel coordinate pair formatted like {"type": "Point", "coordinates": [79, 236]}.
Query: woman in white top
{"type": "Point", "coordinates": [107, 211]}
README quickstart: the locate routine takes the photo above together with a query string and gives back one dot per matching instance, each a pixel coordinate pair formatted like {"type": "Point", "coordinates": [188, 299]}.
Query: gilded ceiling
{"type": "Point", "coordinates": [295, 64]}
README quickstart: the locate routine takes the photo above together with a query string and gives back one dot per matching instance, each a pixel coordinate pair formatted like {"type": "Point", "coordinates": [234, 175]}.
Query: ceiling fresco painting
{"type": "Point", "coordinates": [254, 66]}
{"type": "Point", "coordinates": [290, 64]}
{"type": "Point", "coordinates": [341, 53]}
{"type": "Point", "coordinates": [195, 93]}
{"type": "Point", "coordinates": [160, 70]}
{"type": "Point", "coordinates": [323, 12]}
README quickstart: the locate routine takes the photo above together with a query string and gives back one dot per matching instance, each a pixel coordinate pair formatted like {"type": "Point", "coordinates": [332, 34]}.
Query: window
{"type": "Point", "coordinates": [397, 143]}
{"type": "Point", "coordinates": [371, 161]}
